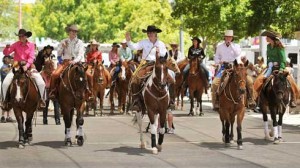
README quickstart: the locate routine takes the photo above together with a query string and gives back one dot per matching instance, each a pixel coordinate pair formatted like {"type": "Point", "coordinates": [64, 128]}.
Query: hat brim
{"type": "Point", "coordinates": [269, 34]}
{"type": "Point", "coordinates": [115, 46]}
{"type": "Point", "coordinates": [27, 34]}
{"type": "Point", "coordinates": [52, 48]}
{"type": "Point", "coordinates": [154, 30]}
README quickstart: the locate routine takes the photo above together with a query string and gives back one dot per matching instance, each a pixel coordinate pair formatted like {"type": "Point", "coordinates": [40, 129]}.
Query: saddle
{"type": "Point", "coordinates": [224, 81]}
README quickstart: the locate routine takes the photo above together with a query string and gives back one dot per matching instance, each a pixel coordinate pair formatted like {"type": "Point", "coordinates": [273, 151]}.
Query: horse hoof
{"type": "Point", "coordinates": [240, 147]}
{"type": "Point", "coordinates": [276, 141]}
{"type": "Point", "coordinates": [159, 148]}
{"type": "Point", "coordinates": [80, 140]}
{"type": "Point", "coordinates": [68, 142]}
{"type": "Point", "coordinates": [271, 133]}
{"type": "Point", "coordinates": [143, 146]}
{"type": "Point", "coordinates": [223, 139]}
{"type": "Point", "coordinates": [21, 146]}
{"type": "Point", "coordinates": [201, 114]}
{"type": "Point", "coordinates": [227, 144]}
{"type": "Point", "coordinates": [154, 151]}
{"type": "Point", "coordinates": [280, 139]}
{"type": "Point", "coordinates": [232, 141]}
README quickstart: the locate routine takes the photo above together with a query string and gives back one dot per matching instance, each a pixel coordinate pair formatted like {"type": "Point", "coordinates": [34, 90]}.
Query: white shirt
{"type": "Point", "coordinates": [149, 49]}
{"type": "Point", "coordinates": [228, 54]}
{"type": "Point", "coordinates": [74, 49]}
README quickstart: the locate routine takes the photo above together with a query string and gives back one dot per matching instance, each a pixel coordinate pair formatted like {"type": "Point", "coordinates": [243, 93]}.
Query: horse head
{"type": "Point", "coordinates": [19, 82]}
{"type": "Point", "coordinates": [240, 75]}
{"type": "Point", "coordinates": [279, 84]}
{"type": "Point", "coordinates": [49, 65]}
{"type": "Point", "coordinates": [160, 71]}
{"type": "Point", "coordinates": [194, 69]}
{"type": "Point", "coordinates": [171, 64]}
{"type": "Point", "coordinates": [78, 77]}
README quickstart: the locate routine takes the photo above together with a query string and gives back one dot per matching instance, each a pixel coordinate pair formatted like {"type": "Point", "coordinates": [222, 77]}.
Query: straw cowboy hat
{"type": "Point", "coordinates": [273, 35]}
{"type": "Point", "coordinates": [228, 33]}
{"type": "Point", "coordinates": [23, 32]}
{"type": "Point", "coordinates": [94, 42]}
{"type": "Point", "coordinates": [115, 45]}
{"type": "Point", "coordinates": [124, 41]}
{"type": "Point", "coordinates": [151, 28]}
{"type": "Point", "coordinates": [72, 27]}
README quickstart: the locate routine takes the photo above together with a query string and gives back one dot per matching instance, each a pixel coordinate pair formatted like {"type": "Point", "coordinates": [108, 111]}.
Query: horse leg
{"type": "Point", "coordinates": [275, 126]}
{"type": "Point", "coordinates": [227, 137]}
{"type": "Point", "coordinates": [67, 119]}
{"type": "Point", "coordinates": [266, 125]}
{"type": "Point", "coordinates": [20, 120]}
{"type": "Point", "coordinates": [111, 98]}
{"type": "Point", "coordinates": [280, 126]}
{"type": "Point", "coordinates": [240, 117]}
{"type": "Point", "coordinates": [200, 103]}
{"type": "Point", "coordinates": [192, 104]}
{"type": "Point", "coordinates": [231, 135]}
{"type": "Point", "coordinates": [28, 128]}
{"type": "Point", "coordinates": [161, 131]}
{"type": "Point", "coordinates": [101, 96]}
{"type": "Point", "coordinates": [153, 130]}
{"type": "Point", "coordinates": [140, 122]}
{"type": "Point", "coordinates": [223, 130]}
{"type": "Point", "coordinates": [79, 132]}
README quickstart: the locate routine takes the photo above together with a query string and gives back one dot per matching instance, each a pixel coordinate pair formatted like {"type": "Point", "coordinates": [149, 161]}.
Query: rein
{"type": "Point", "coordinates": [230, 97]}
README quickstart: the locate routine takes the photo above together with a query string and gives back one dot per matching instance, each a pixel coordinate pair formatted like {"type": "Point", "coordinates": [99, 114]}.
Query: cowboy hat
{"type": "Point", "coordinates": [124, 41]}
{"type": "Point", "coordinates": [71, 27]}
{"type": "Point", "coordinates": [94, 42]}
{"type": "Point", "coordinates": [151, 28]}
{"type": "Point", "coordinates": [49, 47]}
{"type": "Point", "coordinates": [196, 38]}
{"type": "Point", "coordinates": [228, 33]}
{"type": "Point", "coordinates": [273, 35]}
{"type": "Point", "coordinates": [115, 45]}
{"type": "Point", "coordinates": [174, 43]}
{"type": "Point", "coordinates": [23, 32]}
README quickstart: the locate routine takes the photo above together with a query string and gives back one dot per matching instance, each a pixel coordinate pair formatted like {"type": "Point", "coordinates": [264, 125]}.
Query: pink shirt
{"type": "Point", "coordinates": [113, 57]}
{"type": "Point", "coordinates": [23, 52]}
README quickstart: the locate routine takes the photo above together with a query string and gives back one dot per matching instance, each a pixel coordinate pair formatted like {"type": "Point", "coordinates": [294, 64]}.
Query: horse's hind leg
{"type": "Point", "coordinates": [28, 128]}
{"type": "Point", "coordinates": [140, 122]}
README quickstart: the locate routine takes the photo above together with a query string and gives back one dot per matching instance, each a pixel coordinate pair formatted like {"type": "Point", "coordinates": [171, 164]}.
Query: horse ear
{"type": "Point", "coordinates": [13, 70]}
{"type": "Point", "coordinates": [102, 62]}
{"type": "Point", "coordinates": [246, 63]}
{"type": "Point", "coordinates": [235, 62]}
{"type": "Point", "coordinates": [166, 56]}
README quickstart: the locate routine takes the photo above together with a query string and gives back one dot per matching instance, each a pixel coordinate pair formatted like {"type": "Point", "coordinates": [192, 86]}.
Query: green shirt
{"type": "Point", "coordinates": [275, 54]}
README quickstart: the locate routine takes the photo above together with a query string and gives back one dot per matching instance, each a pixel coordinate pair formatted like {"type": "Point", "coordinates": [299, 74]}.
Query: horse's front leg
{"type": "Point", "coordinates": [266, 123]}
{"type": "Point", "coordinates": [200, 103]}
{"type": "Point", "coordinates": [79, 125]}
{"type": "Point", "coordinates": [101, 95]}
{"type": "Point", "coordinates": [20, 120]}
{"type": "Point", "coordinates": [162, 120]}
{"type": "Point", "coordinates": [240, 117]}
{"type": "Point", "coordinates": [227, 137]}
{"type": "Point", "coordinates": [28, 128]}
{"type": "Point", "coordinates": [111, 98]}
{"type": "Point", "coordinates": [67, 119]}
{"type": "Point", "coordinates": [192, 104]}
{"type": "Point", "coordinates": [231, 135]}
{"type": "Point", "coordinates": [275, 125]}
{"type": "Point", "coordinates": [280, 126]}
{"type": "Point", "coordinates": [153, 129]}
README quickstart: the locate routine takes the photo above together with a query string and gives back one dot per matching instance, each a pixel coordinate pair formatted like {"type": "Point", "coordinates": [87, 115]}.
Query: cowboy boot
{"type": "Point", "coordinates": [250, 97]}
{"type": "Point", "coordinates": [292, 101]}
{"type": "Point", "coordinates": [42, 105]}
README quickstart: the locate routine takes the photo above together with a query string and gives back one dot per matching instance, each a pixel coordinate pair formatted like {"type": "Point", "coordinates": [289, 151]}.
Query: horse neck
{"type": "Point", "coordinates": [155, 77]}
{"type": "Point", "coordinates": [194, 66]}
{"type": "Point", "coordinates": [233, 86]}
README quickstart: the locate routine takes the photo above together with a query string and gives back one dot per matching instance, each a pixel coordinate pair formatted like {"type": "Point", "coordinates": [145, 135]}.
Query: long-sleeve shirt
{"type": "Point", "coordinates": [228, 54]}
{"type": "Point", "coordinates": [195, 52]}
{"type": "Point", "coordinates": [275, 54]}
{"type": "Point", "coordinates": [22, 52]}
{"type": "Point", "coordinates": [73, 50]}
{"type": "Point", "coordinates": [125, 54]}
{"type": "Point", "coordinates": [94, 55]}
{"type": "Point", "coordinates": [113, 57]}
{"type": "Point", "coordinates": [149, 49]}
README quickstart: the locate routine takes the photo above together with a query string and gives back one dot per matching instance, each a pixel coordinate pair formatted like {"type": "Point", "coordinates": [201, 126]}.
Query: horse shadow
{"type": "Point", "coordinates": [51, 144]}
{"type": "Point", "coordinates": [127, 150]}
{"type": "Point", "coordinates": [8, 144]}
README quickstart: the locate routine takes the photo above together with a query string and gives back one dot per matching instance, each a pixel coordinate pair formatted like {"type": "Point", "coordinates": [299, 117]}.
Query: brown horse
{"type": "Point", "coordinates": [121, 88]}
{"type": "Point", "coordinates": [232, 103]}
{"type": "Point", "coordinates": [156, 100]}
{"type": "Point", "coordinates": [179, 90]}
{"type": "Point", "coordinates": [100, 82]}
{"type": "Point", "coordinates": [197, 84]}
{"type": "Point", "coordinates": [71, 96]}
{"type": "Point", "coordinates": [24, 97]}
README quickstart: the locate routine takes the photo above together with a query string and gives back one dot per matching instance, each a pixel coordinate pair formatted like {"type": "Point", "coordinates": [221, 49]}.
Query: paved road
{"type": "Point", "coordinates": [113, 141]}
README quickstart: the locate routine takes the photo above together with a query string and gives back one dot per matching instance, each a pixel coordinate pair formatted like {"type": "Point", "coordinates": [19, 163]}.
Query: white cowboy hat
{"type": "Point", "coordinates": [124, 41]}
{"type": "Point", "coordinates": [228, 33]}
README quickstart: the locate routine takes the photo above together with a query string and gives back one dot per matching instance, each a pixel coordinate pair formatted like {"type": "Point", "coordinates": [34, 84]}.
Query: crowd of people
{"type": "Point", "coordinates": [71, 50]}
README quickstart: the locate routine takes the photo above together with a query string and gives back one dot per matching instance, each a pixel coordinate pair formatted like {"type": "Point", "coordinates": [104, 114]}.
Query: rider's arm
{"type": "Point", "coordinates": [282, 58]}
{"type": "Point", "coordinates": [135, 46]}
{"type": "Point", "coordinates": [218, 55]}
{"type": "Point", "coordinates": [80, 55]}
{"type": "Point", "coordinates": [9, 49]}
{"type": "Point", "coordinates": [31, 55]}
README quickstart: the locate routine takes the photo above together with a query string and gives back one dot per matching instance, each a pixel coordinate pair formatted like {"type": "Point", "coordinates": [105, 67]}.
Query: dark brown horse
{"type": "Point", "coordinates": [100, 83]}
{"type": "Point", "coordinates": [232, 103]}
{"type": "Point", "coordinates": [274, 99]}
{"type": "Point", "coordinates": [156, 98]}
{"type": "Point", "coordinates": [24, 97]}
{"type": "Point", "coordinates": [197, 84]}
{"type": "Point", "coordinates": [71, 96]}
{"type": "Point", "coordinates": [121, 88]}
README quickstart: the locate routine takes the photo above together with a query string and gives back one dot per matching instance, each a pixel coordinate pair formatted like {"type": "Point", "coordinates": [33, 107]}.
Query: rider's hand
{"type": "Point", "coordinates": [127, 36]}
{"type": "Point", "coordinates": [7, 45]}
{"type": "Point", "coordinates": [72, 62]}
{"type": "Point", "coordinates": [24, 68]}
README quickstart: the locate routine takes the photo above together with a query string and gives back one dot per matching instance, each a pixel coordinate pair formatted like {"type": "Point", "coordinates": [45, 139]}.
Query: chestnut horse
{"type": "Point", "coordinates": [24, 97]}
{"type": "Point", "coordinates": [156, 100]}
{"type": "Point", "coordinates": [179, 89]}
{"type": "Point", "coordinates": [274, 98]}
{"type": "Point", "coordinates": [100, 83]}
{"type": "Point", "coordinates": [232, 99]}
{"type": "Point", "coordinates": [197, 84]}
{"type": "Point", "coordinates": [121, 88]}
{"type": "Point", "coordinates": [71, 96]}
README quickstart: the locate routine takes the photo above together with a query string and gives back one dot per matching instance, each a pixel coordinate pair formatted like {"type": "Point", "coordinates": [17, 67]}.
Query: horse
{"type": "Point", "coordinates": [24, 97]}
{"type": "Point", "coordinates": [100, 83]}
{"type": "Point", "coordinates": [71, 95]}
{"type": "Point", "coordinates": [156, 100]}
{"type": "Point", "coordinates": [121, 88]}
{"type": "Point", "coordinates": [197, 84]}
{"type": "Point", "coordinates": [274, 98]}
{"type": "Point", "coordinates": [179, 90]}
{"type": "Point", "coordinates": [233, 97]}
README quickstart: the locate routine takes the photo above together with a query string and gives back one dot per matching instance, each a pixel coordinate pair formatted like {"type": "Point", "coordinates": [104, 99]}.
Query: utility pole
{"type": "Point", "coordinates": [20, 15]}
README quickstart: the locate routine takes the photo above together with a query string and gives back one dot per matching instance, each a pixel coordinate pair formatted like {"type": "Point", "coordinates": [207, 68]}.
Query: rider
{"type": "Point", "coordinates": [126, 54]}
{"type": "Point", "coordinates": [276, 57]}
{"type": "Point", "coordinates": [196, 51]}
{"type": "Point", "coordinates": [150, 47]}
{"type": "Point", "coordinates": [71, 51]}
{"type": "Point", "coordinates": [23, 51]}
{"type": "Point", "coordinates": [114, 59]}
{"type": "Point", "coordinates": [226, 53]}
{"type": "Point", "coordinates": [175, 53]}
{"type": "Point", "coordinates": [46, 52]}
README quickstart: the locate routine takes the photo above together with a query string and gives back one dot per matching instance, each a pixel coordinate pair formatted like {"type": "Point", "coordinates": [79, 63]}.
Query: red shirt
{"type": "Point", "coordinates": [94, 55]}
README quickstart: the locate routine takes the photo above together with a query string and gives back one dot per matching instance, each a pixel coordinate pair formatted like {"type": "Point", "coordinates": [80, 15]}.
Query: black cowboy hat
{"type": "Point", "coordinates": [49, 47]}
{"type": "Point", "coordinates": [152, 28]}
{"type": "Point", "coordinates": [72, 27]}
{"type": "Point", "coordinates": [23, 32]}
{"type": "Point", "coordinates": [115, 45]}
{"type": "Point", "coordinates": [272, 34]}
{"type": "Point", "coordinates": [196, 38]}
